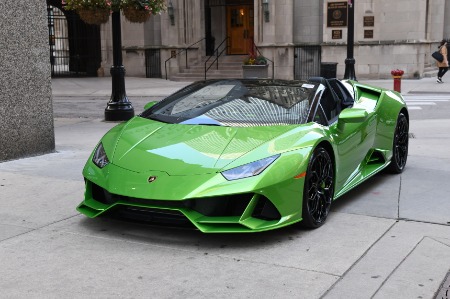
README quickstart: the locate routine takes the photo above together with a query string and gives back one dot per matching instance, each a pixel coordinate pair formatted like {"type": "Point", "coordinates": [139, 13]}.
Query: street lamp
{"type": "Point", "coordinates": [119, 108]}
{"type": "Point", "coordinates": [350, 61]}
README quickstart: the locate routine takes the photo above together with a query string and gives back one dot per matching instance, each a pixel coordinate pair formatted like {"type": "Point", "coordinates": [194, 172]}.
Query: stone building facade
{"type": "Point", "coordinates": [388, 34]}
{"type": "Point", "coordinates": [26, 113]}
{"type": "Point", "coordinates": [403, 35]}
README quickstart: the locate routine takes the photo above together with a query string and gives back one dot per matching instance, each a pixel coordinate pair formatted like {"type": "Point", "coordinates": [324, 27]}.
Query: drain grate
{"type": "Point", "coordinates": [411, 135]}
{"type": "Point", "coordinates": [444, 290]}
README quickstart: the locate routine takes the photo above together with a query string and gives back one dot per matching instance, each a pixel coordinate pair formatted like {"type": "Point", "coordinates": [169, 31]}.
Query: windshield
{"type": "Point", "coordinates": [237, 103]}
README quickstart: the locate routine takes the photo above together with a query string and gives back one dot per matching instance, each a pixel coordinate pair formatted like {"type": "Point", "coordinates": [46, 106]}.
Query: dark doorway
{"type": "Point", "coordinates": [74, 45]}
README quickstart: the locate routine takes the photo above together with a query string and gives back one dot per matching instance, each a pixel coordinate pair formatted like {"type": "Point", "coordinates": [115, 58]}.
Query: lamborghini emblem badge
{"type": "Point", "coordinates": [151, 179]}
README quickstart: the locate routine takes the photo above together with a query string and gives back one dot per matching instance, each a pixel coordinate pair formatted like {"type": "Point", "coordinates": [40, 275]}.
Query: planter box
{"type": "Point", "coordinates": [255, 71]}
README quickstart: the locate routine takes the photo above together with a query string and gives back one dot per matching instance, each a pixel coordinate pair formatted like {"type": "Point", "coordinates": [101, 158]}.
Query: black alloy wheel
{"type": "Point", "coordinates": [318, 191]}
{"type": "Point", "coordinates": [400, 145]}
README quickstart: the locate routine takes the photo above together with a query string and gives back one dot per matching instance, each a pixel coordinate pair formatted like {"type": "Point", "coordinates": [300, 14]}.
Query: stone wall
{"type": "Point", "coordinates": [403, 35]}
{"type": "Point", "coordinates": [377, 61]}
{"type": "Point", "coordinates": [26, 113]}
{"type": "Point", "coordinates": [308, 22]}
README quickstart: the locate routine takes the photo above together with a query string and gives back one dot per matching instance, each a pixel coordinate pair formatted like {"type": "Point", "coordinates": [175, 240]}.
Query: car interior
{"type": "Point", "coordinates": [335, 97]}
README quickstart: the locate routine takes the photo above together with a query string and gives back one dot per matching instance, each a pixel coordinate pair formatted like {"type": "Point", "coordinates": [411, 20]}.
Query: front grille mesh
{"type": "Point", "coordinates": [150, 215]}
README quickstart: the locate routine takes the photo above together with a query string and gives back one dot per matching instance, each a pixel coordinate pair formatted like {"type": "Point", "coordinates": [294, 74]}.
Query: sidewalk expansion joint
{"type": "Point", "coordinates": [444, 290]}
{"type": "Point", "coordinates": [401, 262]}
{"type": "Point", "coordinates": [38, 228]}
{"type": "Point", "coordinates": [358, 260]}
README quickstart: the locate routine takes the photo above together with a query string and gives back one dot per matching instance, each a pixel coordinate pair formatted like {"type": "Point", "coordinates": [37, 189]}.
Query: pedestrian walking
{"type": "Point", "coordinates": [443, 66]}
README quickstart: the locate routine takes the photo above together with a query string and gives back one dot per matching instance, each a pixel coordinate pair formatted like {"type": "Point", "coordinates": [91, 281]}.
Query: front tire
{"type": "Point", "coordinates": [318, 191]}
{"type": "Point", "coordinates": [400, 145]}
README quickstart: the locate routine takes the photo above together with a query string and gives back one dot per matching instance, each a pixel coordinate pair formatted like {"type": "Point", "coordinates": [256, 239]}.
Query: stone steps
{"type": "Point", "coordinates": [230, 66]}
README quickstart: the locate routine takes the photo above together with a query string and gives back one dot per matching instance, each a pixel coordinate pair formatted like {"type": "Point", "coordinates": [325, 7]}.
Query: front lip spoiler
{"type": "Point", "coordinates": [246, 222]}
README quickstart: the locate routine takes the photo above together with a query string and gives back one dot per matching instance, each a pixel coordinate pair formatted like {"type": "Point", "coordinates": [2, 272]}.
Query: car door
{"type": "Point", "coordinates": [352, 136]}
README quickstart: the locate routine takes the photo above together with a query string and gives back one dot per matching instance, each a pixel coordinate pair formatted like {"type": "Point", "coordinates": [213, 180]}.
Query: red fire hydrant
{"type": "Point", "coordinates": [397, 75]}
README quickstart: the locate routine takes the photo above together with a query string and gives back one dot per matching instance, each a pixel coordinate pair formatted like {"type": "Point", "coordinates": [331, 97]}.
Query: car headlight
{"type": "Point", "coordinates": [99, 158]}
{"type": "Point", "coordinates": [248, 170]}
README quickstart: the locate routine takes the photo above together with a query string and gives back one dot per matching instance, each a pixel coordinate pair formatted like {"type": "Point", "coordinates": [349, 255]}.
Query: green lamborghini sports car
{"type": "Point", "coordinates": [246, 155]}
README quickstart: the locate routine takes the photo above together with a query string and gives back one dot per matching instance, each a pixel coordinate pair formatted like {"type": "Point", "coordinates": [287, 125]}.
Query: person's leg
{"type": "Point", "coordinates": [444, 70]}
{"type": "Point", "coordinates": [439, 75]}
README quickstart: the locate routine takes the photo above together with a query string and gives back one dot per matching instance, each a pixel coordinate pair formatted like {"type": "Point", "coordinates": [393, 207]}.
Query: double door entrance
{"type": "Point", "coordinates": [240, 20]}
{"type": "Point", "coordinates": [231, 20]}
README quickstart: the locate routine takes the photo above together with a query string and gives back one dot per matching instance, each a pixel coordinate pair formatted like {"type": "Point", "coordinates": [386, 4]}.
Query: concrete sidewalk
{"type": "Point", "coordinates": [101, 87]}
{"type": "Point", "coordinates": [88, 97]}
{"type": "Point", "coordinates": [149, 87]}
{"type": "Point", "coordinates": [389, 238]}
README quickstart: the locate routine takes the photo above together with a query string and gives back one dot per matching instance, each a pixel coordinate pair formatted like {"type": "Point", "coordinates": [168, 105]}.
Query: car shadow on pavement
{"type": "Point", "coordinates": [378, 197]}
{"type": "Point", "coordinates": [188, 237]}
{"type": "Point", "coordinates": [368, 199]}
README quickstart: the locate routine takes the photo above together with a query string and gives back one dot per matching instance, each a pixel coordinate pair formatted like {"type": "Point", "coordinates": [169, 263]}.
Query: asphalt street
{"type": "Point", "coordinates": [389, 238]}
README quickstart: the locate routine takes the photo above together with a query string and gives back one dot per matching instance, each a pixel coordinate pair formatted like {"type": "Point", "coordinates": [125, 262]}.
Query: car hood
{"type": "Point", "coordinates": [143, 145]}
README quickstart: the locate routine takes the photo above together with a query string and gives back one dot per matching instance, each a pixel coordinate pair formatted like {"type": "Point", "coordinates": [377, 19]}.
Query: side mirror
{"type": "Point", "coordinates": [149, 105]}
{"type": "Point", "coordinates": [351, 115]}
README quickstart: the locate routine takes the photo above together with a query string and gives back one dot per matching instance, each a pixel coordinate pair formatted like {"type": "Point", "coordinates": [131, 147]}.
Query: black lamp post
{"type": "Point", "coordinates": [119, 108]}
{"type": "Point", "coordinates": [350, 61]}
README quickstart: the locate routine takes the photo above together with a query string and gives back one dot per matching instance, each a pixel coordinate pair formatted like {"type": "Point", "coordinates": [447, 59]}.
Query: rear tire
{"type": "Point", "coordinates": [400, 145]}
{"type": "Point", "coordinates": [318, 190]}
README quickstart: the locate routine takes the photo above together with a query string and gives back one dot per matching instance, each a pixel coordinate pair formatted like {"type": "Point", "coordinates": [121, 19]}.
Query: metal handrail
{"type": "Point", "coordinates": [179, 52]}
{"type": "Point", "coordinates": [217, 56]}
{"type": "Point", "coordinates": [273, 64]}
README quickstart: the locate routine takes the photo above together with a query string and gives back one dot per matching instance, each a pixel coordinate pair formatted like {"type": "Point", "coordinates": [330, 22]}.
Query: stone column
{"type": "Point", "coordinates": [275, 37]}
{"type": "Point", "coordinates": [26, 112]}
